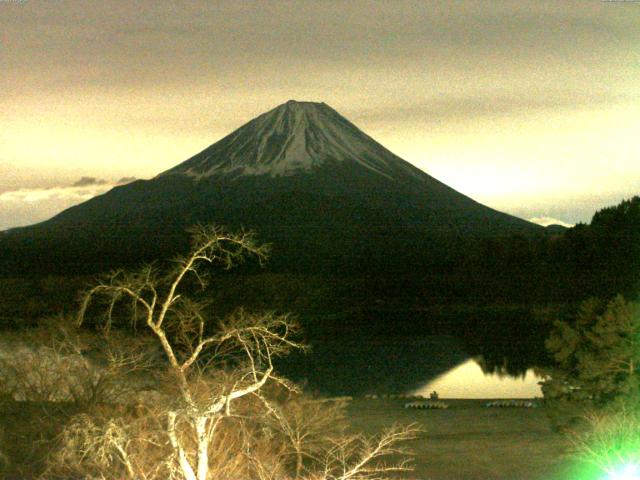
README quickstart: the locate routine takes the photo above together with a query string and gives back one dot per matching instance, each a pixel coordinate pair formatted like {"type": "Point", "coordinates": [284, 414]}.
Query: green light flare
{"type": "Point", "coordinates": [625, 472]}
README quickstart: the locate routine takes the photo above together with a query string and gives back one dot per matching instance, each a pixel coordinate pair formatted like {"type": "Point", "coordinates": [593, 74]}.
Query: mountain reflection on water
{"type": "Point", "coordinates": [468, 380]}
{"type": "Point", "coordinates": [407, 353]}
{"type": "Point", "coordinates": [356, 366]}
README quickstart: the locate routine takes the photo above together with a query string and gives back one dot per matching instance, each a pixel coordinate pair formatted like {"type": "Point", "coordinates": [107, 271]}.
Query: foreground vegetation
{"type": "Point", "coordinates": [467, 441]}
{"type": "Point", "coordinates": [592, 390]}
{"type": "Point", "coordinates": [191, 397]}
{"type": "Point", "coordinates": [156, 389]}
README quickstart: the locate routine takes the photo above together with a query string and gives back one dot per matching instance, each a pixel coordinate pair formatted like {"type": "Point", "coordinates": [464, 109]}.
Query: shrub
{"type": "Point", "coordinates": [609, 440]}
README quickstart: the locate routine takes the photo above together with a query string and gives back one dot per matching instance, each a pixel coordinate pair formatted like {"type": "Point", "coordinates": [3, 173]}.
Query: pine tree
{"type": "Point", "coordinates": [597, 357]}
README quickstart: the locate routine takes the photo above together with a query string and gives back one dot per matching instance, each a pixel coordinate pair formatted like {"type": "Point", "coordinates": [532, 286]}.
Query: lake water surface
{"type": "Point", "coordinates": [467, 380]}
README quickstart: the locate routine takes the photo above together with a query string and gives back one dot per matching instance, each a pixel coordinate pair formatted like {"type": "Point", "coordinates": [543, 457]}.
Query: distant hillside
{"type": "Point", "coordinates": [606, 253]}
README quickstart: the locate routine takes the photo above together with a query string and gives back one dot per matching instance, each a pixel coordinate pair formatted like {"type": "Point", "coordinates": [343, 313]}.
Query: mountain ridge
{"type": "Point", "coordinates": [291, 138]}
{"type": "Point", "coordinates": [323, 192]}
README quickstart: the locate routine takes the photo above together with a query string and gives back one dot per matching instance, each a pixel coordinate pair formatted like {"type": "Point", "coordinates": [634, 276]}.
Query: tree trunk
{"type": "Point", "coordinates": [203, 448]}
{"type": "Point", "coordinates": [185, 466]}
{"type": "Point", "coordinates": [298, 463]}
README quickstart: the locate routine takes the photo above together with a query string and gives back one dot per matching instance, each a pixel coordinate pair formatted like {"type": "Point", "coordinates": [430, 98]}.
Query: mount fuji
{"type": "Point", "coordinates": [296, 137]}
{"type": "Point", "coordinates": [324, 193]}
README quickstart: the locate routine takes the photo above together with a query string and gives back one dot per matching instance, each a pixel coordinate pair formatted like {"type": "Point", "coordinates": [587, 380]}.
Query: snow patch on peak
{"type": "Point", "coordinates": [292, 138]}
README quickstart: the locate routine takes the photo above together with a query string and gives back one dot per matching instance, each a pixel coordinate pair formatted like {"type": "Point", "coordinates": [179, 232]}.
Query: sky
{"type": "Point", "coordinates": [530, 107]}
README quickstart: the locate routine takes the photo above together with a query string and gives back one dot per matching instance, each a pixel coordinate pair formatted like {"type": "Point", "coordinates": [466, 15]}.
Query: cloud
{"type": "Point", "coordinates": [491, 105]}
{"type": "Point", "coordinates": [106, 46]}
{"type": "Point", "coordinates": [546, 221]}
{"type": "Point", "coordinates": [87, 181]}
{"type": "Point", "coordinates": [26, 206]}
{"type": "Point", "coordinates": [35, 195]}
{"type": "Point", "coordinates": [125, 180]}
{"type": "Point", "coordinates": [80, 190]}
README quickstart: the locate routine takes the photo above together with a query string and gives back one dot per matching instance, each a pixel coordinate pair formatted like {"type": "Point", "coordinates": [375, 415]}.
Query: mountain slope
{"type": "Point", "coordinates": [293, 138]}
{"type": "Point", "coordinates": [326, 194]}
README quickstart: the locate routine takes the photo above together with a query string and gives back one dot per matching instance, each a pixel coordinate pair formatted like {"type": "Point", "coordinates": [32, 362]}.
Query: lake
{"type": "Point", "coordinates": [467, 380]}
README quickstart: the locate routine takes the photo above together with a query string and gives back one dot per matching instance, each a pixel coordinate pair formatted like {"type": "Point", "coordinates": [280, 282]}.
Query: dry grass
{"type": "Point", "coordinates": [471, 442]}
{"type": "Point", "coordinates": [27, 434]}
{"type": "Point", "coordinates": [465, 442]}
{"type": "Point", "coordinates": [49, 440]}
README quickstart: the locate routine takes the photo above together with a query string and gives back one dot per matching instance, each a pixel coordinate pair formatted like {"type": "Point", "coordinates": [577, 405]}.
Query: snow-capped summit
{"type": "Point", "coordinates": [292, 138]}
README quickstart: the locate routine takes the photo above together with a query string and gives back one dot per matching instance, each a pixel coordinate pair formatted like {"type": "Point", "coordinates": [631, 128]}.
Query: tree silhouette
{"type": "Point", "coordinates": [597, 358]}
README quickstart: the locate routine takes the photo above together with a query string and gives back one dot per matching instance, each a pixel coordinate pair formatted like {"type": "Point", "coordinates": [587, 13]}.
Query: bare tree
{"type": "Point", "coordinates": [214, 413]}
{"type": "Point", "coordinates": [358, 457]}
{"type": "Point", "coordinates": [240, 350]}
{"type": "Point", "coordinates": [609, 440]}
{"type": "Point", "coordinates": [56, 362]}
{"type": "Point", "coordinates": [309, 428]}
